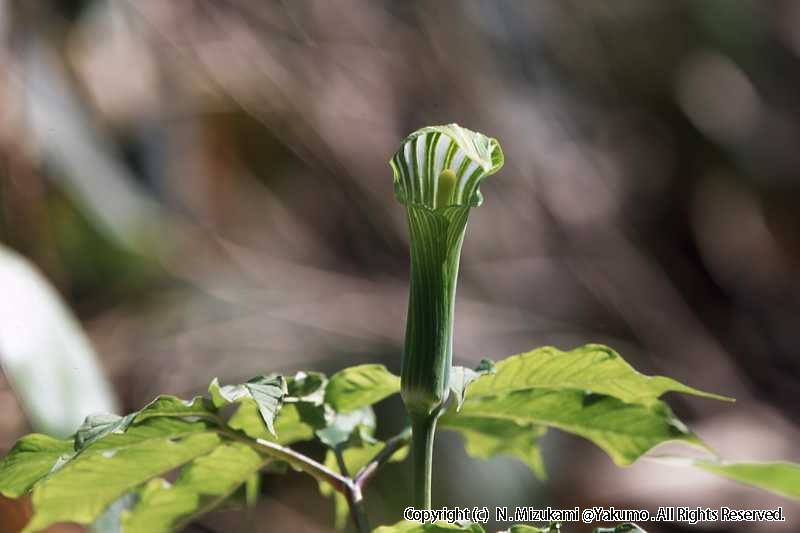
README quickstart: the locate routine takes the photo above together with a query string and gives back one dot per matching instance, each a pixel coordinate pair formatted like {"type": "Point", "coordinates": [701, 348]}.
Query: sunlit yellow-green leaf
{"type": "Point", "coordinates": [31, 458]}
{"type": "Point", "coordinates": [593, 368]}
{"type": "Point", "coordinates": [779, 477]}
{"type": "Point", "coordinates": [360, 386]}
{"type": "Point", "coordinates": [202, 485]}
{"type": "Point", "coordinates": [112, 466]}
{"type": "Point", "coordinates": [624, 431]}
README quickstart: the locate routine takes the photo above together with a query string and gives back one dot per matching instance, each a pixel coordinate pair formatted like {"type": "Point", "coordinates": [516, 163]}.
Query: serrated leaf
{"type": "Point", "coordinates": [222, 395]}
{"type": "Point", "coordinates": [624, 431]}
{"type": "Point", "coordinates": [487, 437]}
{"type": "Point", "coordinates": [461, 377]}
{"type": "Point", "coordinates": [267, 392]}
{"type": "Point", "coordinates": [341, 425]}
{"type": "Point", "coordinates": [295, 422]}
{"type": "Point", "coordinates": [202, 485]}
{"type": "Point", "coordinates": [112, 466]}
{"type": "Point", "coordinates": [165, 405]}
{"type": "Point", "coordinates": [593, 367]}
{"type": "Point", "coordinates": [96, 427]}
{"type": "Point", "coordinates": [31, 458]}
{"type": "Point", "coordinates": [439, 527]}
{"type": "Point", "coordinates": [359, 386]}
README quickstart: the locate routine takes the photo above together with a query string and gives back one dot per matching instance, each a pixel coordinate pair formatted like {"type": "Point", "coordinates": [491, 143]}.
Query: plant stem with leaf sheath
{"type": "Point", "coordinates": [423, 430]}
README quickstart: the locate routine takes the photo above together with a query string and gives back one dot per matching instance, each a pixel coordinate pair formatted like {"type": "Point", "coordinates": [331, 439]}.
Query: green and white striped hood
{"type": "Point", "coordinates": [427, 153]}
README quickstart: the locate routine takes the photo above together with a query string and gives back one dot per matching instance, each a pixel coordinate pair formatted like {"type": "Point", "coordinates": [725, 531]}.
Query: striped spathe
{"type": "Point", "coordinates": [426, 153]}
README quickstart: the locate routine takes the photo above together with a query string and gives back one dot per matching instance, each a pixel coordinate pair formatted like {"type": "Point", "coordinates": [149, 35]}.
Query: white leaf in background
{"type": "Point", "coordinates": [45, 354]}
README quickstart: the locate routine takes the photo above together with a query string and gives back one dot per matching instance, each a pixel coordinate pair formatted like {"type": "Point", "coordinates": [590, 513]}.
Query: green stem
{"type": "Point", "coordinates": [358, 512]}
{"type": "Point", "coordinates": [423, 429]}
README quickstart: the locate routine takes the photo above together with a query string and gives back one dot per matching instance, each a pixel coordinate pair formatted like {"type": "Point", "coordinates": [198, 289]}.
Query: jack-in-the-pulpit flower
{"type": "Point", "coordinates": [437, 172]}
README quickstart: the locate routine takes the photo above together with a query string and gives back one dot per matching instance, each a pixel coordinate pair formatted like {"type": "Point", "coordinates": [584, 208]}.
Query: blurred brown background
{"type": "Point", "coordinates": [206, 184]}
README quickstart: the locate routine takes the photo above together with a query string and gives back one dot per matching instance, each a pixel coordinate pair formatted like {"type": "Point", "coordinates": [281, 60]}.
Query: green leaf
{"type": "Point", "coordinates": [252, 489]}
{"type": "Point", "coordinates": [358, 453]}
{"type": "Point", "coordinates": [779, 477]}
{"type": "Point", "coordinates": [96, 427]}
{"type": "Point", "coordinates": [486, 437]}
{"type": "Point", "coordinates": [295, 421]}
{"type": "Point", "coordinates": [593, 367]}
{"type": "Point", "coordinates": [111, 519]}
{"type": "Point", "coordinates": [202, 485]}
{"type": "Point", "coordinates": [267, 392]}
{"type": "Point", "coordinates": [307, 387]}
{"type": "Point", "coordinates": [31, 458]}
{"type": "Point", "coordinates": [341, 425]}
{"type": "Point", "coordinates": [165, 405]}
{"type": "Point", "coordinates": [622, 528]}
{"type": "Point", "coordinates": [438, 527]}
{"type": "Point", "coordinates": [114, 465]}
{"type": "Point", "coordinates": [523, 528]}
{"type": "Point", "coordinates": [624, 431]}
{"type": "Point", "coordinates": [461, 377]}
{"type": "Point", "coordinates": [359, 386]}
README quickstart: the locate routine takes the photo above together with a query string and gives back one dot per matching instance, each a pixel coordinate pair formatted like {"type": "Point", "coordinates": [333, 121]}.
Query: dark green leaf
{"type": "Point", "coordinates": [307, 387]}
{"type": "Point", "coordinates": [486, 437]}
{"type": "Point", "coordinates": [359, 386]}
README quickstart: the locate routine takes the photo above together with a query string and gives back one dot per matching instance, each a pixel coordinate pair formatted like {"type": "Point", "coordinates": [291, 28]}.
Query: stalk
{"type": "Point", "coordinates": [423, 431]}
{"type": "Point", "coordinates": [437, 173]}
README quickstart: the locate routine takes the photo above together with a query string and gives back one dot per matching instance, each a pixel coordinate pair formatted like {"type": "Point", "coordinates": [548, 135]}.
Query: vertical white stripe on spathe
{"type": "Point", "coordinates": [422, 141]}
{"type": "Point", "coordinates": [411, 191]}
{"type": "Point", "coordinates": [441, 152]}
{"type": "Point", "coordinates": [463, 182]}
